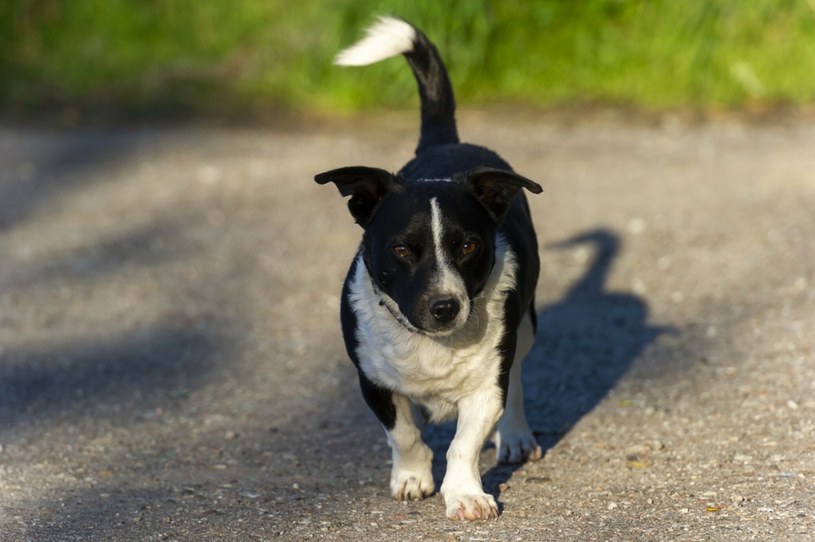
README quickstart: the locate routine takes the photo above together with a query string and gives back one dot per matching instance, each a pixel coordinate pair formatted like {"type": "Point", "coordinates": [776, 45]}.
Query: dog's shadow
{"type": "Point", "coordinates": [585, 343]}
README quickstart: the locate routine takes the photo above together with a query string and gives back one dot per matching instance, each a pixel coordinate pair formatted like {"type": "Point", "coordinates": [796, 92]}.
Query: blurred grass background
{"type": "Point", "coordinates": [238, 57]}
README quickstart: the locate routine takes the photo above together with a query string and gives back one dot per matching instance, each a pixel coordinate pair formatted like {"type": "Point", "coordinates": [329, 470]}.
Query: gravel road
{"type": "Point", "coordinates": [171, 366]}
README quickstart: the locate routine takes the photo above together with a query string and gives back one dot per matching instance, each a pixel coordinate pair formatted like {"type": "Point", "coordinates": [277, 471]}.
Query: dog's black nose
{"type": "Point", "coordinates": [444, 310]}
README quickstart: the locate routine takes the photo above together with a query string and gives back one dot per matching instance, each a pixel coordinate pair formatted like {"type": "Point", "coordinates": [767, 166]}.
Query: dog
{"type": "Point", "coordinates": [438, 306]}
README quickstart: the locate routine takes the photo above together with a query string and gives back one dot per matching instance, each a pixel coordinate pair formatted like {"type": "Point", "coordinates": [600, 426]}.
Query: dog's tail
{"type": "Point", "coordinates": [389, 37]}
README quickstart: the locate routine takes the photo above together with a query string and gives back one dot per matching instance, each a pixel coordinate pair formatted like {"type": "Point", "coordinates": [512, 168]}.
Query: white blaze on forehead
{"type": "Point", "coordinates": [436, 227]}
{"type": "Point", "coordinates": [449, 281]}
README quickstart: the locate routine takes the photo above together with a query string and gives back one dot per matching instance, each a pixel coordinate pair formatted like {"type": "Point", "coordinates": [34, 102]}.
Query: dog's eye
{"type": "Point", "coordinates": [468, 247]}
{"type": "Point", "coordinates": [401, 250]}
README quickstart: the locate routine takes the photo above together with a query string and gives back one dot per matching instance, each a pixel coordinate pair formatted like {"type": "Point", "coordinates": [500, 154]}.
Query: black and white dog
{"type": "Point", "coordinates": [438, 306]}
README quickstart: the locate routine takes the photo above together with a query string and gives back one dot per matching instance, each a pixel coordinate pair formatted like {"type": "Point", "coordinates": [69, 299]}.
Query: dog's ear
{"type": "Point", "coordinates": [366, 186]}
{"type": "Point", "coordinates": [495, 188]}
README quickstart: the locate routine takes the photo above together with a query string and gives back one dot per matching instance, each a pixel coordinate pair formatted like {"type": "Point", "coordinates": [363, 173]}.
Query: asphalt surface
{"type": "Point", "coordinates": [171, 366]}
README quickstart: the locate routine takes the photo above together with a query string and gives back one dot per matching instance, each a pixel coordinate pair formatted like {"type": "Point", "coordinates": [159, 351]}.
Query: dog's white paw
{"type": "Point", "coordinates": [411, 485]}
{"type": "Point", "coordinates": [470, 507]}
{"type": "Point", "coordinates": [517, 446]}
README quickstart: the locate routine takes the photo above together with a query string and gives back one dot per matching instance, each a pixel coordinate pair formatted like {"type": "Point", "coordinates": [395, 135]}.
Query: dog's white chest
{"type": "Point", "coordinates": [435, 372]}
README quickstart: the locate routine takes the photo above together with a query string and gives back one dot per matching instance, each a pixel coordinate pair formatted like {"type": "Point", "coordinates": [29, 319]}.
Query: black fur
{"type": "Point", "coordinates": [436, 92]}
{"type": "Point", "coordinates": [480, 200]}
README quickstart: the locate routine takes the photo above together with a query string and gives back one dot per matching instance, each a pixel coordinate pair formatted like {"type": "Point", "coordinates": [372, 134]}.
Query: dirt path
{"type": "Point", "coordinates": [171, 366]}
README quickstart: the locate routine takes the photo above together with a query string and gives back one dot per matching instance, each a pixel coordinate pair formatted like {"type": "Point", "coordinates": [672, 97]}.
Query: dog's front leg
{"type": "Point", "coordinates": [411, 473]}
{"type": "Point", "coordinates": [464, 496]}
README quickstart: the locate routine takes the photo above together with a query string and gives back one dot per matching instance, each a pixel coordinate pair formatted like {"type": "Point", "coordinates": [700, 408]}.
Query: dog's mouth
{"type": "Point", "coordinates": [441, 319]}
{"type": "Point", "coordinates": [445, 330]}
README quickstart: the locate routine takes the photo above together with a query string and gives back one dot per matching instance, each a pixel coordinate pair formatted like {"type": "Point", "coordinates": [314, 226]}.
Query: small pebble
{"type": "Point", "coordinates": [636, 225]}
{"type": "Point", "coordinates": [250, 494]}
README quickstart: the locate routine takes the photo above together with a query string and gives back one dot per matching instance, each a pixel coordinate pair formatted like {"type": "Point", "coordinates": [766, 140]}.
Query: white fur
{"type": "Point", "coordinates": [449, 283]}
{"type": "Point", "coordinates": [386, 38]}
{"type": "Point", "coordinates": [464, 496]}
{"type": "Point", "coordinates": [411, 472]}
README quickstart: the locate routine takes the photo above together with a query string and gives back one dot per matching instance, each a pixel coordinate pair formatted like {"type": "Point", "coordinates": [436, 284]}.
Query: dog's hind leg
{"type": "Point", "coordinates": [514, 441]}
{"type": "Point", "coordinates": [411, 473]}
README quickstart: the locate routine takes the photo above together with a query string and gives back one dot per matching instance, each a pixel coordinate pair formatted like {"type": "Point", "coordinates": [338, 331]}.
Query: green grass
{"type": "Point", "coordinates": [242, 55]}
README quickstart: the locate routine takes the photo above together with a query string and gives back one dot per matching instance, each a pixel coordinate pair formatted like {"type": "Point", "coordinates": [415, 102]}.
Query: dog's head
{"type": "Point", "coordinates": [429, 245]}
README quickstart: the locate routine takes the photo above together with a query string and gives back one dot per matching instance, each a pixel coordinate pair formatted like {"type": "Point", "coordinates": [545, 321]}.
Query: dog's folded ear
{"type": "Point", "coordinates": [366, 186]}
{"type": "Point", "coordinates": [495, 188]}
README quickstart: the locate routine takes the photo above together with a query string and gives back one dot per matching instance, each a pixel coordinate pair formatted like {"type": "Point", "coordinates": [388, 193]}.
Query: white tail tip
{"type": "Point", "coordinates": [386, 38]}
